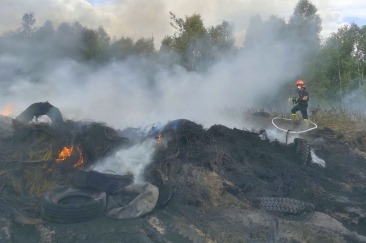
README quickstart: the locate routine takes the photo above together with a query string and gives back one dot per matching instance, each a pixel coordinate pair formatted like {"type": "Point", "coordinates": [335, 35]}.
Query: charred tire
{"type": "Point", "coordinates": [55, 206]}
{"type": "Point", "coordinates": [107, 182]}
{"type": "Point", "coordinates": [285, 205]}
{"type": "Point", "coordinates": [302, 149]}
{"type": "Point", "coordinates": [165, 194]}
{"type": "Point", "coordinates": [79, 178]}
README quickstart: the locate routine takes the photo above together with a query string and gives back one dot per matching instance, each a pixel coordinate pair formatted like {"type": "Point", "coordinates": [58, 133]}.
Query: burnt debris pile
{"type": "Point", "coordinates": [220, 167]}
{"type": "Point", "coordinates": [216, 184]}
{"type": "Point", "coordinates": [38, 156]}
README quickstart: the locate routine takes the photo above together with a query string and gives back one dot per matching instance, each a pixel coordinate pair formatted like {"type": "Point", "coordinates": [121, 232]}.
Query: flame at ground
{"type": "Point", "coordinates": [8, 110]}
{"type": "Point", "coordinates": [66, 152]}
{"type": "Point", "coordinates": [80, 160]}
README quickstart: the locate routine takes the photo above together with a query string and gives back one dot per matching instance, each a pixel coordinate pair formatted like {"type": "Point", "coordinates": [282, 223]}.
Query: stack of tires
{"type": "Point", "coordinates": [85, 200]}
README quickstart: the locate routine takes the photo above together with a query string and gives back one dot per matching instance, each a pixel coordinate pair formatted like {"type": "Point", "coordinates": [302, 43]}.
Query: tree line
{"type": "Point", "coordinates": [332, 68]}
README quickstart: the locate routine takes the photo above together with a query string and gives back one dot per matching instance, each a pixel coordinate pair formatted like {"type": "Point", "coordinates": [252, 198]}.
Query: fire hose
{"type": "Point", "coordinates": [289, 130]}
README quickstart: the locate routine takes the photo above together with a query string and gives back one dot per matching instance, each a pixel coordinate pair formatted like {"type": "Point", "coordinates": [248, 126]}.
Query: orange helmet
{"type": "Point", "coordinates": [300, 83]}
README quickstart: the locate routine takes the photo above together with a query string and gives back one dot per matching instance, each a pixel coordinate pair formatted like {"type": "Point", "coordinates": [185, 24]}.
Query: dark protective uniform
{"type": "Point", "coordinates": [301, 105]}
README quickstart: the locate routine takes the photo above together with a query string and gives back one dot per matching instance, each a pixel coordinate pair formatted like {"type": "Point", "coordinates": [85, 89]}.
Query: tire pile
{"type": "Point", "coordinates": [84, 201]}
{"type": "Point", "coordinates": [89, 198]}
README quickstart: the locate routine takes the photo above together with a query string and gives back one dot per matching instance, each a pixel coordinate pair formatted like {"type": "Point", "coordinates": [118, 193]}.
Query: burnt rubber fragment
{"type": "Point", "coordinates": [285, 205]}
{"type": "Point", "coordinates": [302, 149]}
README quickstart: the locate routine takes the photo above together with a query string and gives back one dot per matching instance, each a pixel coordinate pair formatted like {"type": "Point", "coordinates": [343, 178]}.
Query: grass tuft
{"type": "Point", "coordinates": [37, 182]}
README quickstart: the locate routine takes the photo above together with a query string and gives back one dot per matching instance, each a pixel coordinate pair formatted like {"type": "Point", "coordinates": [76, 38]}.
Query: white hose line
{"type": "Point", "coordinates": [289, 130]}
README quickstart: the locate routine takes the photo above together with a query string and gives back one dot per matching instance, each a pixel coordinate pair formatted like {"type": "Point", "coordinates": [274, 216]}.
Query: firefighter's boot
{"type": "Point", "coordinates": [306, 123]}
{"type": "Point", "coordinates": [294, 117]}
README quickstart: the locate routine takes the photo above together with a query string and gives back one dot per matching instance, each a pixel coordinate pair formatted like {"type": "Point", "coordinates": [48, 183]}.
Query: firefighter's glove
{"type": "Point", "coordinates": [294, 100]}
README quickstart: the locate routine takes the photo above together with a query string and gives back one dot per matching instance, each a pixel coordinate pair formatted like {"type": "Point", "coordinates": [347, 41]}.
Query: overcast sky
{"type": "Point", "coordinates": [146, 18]}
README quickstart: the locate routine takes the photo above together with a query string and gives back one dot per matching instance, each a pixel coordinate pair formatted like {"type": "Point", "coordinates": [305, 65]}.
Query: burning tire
{"type": "Point", "coordinates": [302, 148]}
{"type": "Point", "coordinates": [285, 205]}
{"type": "Point", "coordinates": [72, 205]}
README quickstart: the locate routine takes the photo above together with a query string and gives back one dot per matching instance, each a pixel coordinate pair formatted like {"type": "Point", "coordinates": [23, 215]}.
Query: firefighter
{"type": "Point", "coordinates": [300, 103]}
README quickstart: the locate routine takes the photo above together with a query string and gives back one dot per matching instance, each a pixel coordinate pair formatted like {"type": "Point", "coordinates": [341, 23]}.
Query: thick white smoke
{"type": "Point", "coordinates": [136, 93]}
{"type": "Point", "coordinates": [120, 97]}
{"type": "Point", "coordinates": [132, 160]}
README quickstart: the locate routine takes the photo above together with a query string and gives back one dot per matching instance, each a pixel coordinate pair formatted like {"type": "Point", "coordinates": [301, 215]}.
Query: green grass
{"type": "Point", "coordinates": [336, 117]}
{"type": "Point", "coordinates": [350, 123]}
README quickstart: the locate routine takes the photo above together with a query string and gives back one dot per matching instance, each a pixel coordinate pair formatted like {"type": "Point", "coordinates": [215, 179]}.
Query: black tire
{"type": "Point", "coordinates": [302, 149]}
{"type": "Point", "coordinates": [79, 178]}
{"type": "Point", "coordinates": [107, 182]}
{"type": "Point", "coordinates": [55, 208]}
{"type": "Point", "coordinates": [285, 205]}
{"type": "Point", "coordinates": [165, 194]}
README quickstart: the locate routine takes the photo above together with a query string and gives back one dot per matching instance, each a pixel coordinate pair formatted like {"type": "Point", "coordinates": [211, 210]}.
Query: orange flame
{"type": "Point", "coordinates": [7, 110]}
{"type": "Point", "coordinates": [65, 153]}
{"type": "Point", "coordinates": [80, 160]}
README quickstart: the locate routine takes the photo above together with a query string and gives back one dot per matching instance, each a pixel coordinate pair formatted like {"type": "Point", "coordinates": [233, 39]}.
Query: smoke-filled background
{"type": "Point", "coordinates": [138, 63]}
{"type": "Point", "coordinates": [120, 94]}
{"type": "Point", "coordinates": [136, 91]}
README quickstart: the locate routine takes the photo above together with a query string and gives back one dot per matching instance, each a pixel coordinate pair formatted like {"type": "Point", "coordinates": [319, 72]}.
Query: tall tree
{"type": "Point", "coordinates": [68, 39]}
{"type": "Point", "coordinates": [95, 44]}
{"type": "Point", "coordinates": [221, 40]}
{"type": "Point", "coordinates": [263, 34]}
{"type": "Point", "coordinates": [196, 45]}
{"type": "Point", "coordinates": [190, 39]}
{"type": "Point", "coordinates": [360, 53]}
{"type": "Point", "coordinates": [144, 46]}
{"type": "Point", "coordinates": [28, 22]}
{"type": "Point", "coordinates": [90, 46]}
{"type": "Point", "coordinates": [336, 69]}
{"type": "Point", "coordinates": [304, 28]}
{"type": "Point", "coordinates": [122, 48]}
{"type": "Point", "coordinates": [45, 32]}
